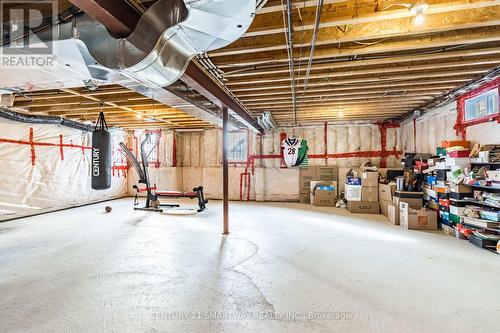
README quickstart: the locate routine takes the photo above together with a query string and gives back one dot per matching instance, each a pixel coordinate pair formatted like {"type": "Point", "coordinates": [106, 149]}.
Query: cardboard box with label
{"type": "Point", "coordinates": [323, 194]}
{"type": "Point", "coordinates": [393, 214]}
{"type": "Point", "coordinates": [385, 195]}
{"type": "Point", "coordinates": [413, 219]}
{"type": "Point", "coordinates": [369, 193]}
{"type": "Point", "coordinates": [363, 207]}
{"type": "Point", "coordinates": [369, 178]}
{"type": "Point", "coordinates": [352, 192]}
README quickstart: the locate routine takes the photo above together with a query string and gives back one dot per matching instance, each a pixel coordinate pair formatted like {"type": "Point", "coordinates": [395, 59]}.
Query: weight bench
{"type": "Point", "coordinates": [153, 194]}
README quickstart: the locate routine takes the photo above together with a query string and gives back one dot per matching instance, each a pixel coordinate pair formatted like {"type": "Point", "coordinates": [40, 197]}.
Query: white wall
{"type": "Point", "coordinates": [51, 183]}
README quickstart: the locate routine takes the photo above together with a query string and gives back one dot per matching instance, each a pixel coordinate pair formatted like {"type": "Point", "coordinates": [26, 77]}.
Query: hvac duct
{"type": "Point", "coordinates": [35, 119]}
{"type": "Point", "coordinates": [168, 36]}
{"type": "Point", "coordinates": [149, 60]}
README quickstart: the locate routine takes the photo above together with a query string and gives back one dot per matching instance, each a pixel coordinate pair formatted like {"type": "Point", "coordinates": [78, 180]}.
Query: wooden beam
{"type": "Point", "coordinates": [355, 88]}
{"type": "Point", "coordinates": [275, 6]}
{"type": "Point", "coordinates": [380, 78]}
{"type": "Point", "coordinates": [369, 31]}
{"type": "Point", "coordinates": [477, 64]}
{"type": "Point", "coordinates": [392, 98]}
{"type": "Point", "coordinates": [441, 40]}
{"type": "Point", "coordinates": [465, 55]}
{"type": "Point", "coordinates": [354, 13]}
{"type": "Point", "coordinates": [388, 92]}
{"type": "Point", "coordinates": [92, 98]}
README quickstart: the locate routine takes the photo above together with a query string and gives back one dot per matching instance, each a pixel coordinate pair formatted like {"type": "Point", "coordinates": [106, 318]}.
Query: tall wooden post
{"type": "Point", "coordinates": [225, 167]}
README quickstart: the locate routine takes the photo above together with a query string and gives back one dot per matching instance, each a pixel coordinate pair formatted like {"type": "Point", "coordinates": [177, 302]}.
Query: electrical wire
{"type": "Point", "coordinates": [289, 41]}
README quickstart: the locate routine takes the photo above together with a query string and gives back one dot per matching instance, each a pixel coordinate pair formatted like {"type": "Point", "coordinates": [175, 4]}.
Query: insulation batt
{"type": "Point", "coordinates": [44, 181]}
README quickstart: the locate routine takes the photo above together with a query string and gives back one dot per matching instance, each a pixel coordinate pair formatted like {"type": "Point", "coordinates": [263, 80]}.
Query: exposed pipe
{"type": "Point", "coordinates": [289, 40]}
{"type": "Point", "coordinates": [319, 9]}
{"type": "Point", "coordinates": [37, 119]}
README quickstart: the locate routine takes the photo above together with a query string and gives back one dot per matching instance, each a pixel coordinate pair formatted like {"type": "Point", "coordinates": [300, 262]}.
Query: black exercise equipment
{"type": "Point", "coordinates": [152, 201]}
{"type": "Point", "coordinates": [101, 155]}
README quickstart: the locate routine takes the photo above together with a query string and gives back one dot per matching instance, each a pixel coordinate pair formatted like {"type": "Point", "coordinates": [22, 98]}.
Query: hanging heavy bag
{"type": "Point", "coordinates": [101, 155]}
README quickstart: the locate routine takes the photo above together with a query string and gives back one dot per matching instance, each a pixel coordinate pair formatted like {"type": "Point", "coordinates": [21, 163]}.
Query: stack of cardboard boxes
{"type": "Point", "coordinates": [385, 195]}
{"type": "Point", "coordinates": [328, 176]}
{"type": "Point", "coordinates": [361, 193]}
{"type": "Point", "coordinates": [413, 199]}
{"type": "Point", "coordinates": [407, 210]}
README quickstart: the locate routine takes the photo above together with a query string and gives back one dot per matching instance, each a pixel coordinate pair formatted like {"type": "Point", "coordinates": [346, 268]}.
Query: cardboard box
{"type": "Point", "coordinates": [369, 178]}
{"type": "Point", "coordinates": [305, 198]}
{"type": "Point", "coordinates": [327, 173]}
{"type": "Point", "coordinates": [413, 219]}
{"type": "Point", "coordinates": [393, 214]}
{"type": "Point", "coordinates": [386, 191]}
{"type": "Point", "coordinates": [455, 143]}
{"type": "Point", "coordinates": [308, 174]}
{"type": "Point", "coordinates": [430, 192]}
{"type": "Point", "coordinates": [363, 207]}
{"type": "Point", "coordinates": [463, 162]}
{"type": "Point", "coordinates": [384, 207]}
{"type": "Point", "coordinates": [369, 193]}
{"type": "Point", "coordinates": [352, 192]}
{"type": "Point", "coordinates": [414, 199]}
{"type": "Point", "coordinates": [323, 197]}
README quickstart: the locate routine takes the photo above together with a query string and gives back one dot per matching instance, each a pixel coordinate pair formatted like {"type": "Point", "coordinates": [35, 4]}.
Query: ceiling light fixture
{"type": "Point", "coordinates": [418, 9]}
{"type": "Point", "coordinates": [139, 115]}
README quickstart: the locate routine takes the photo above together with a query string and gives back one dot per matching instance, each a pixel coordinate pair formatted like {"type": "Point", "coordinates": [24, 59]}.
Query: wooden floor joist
{"type": "Point", "coordinates": [371, 62]}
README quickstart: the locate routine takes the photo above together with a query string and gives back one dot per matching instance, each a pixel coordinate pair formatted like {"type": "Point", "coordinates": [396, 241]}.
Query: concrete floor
{"type": "Point", "coordinates": [81, 270]}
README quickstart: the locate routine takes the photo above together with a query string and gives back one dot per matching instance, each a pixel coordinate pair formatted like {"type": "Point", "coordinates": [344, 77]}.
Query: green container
{"type": "Point", "coordinates": [441, 151]}
{"type": "Point", "coordinates": [455, 218]}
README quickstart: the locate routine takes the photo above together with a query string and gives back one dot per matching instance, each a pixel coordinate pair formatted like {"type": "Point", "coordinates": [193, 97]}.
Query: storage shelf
{"type": "Point", "coordinates": [481, 228]}
{"type": "Point", "coordinates": [482, 203]}
{"type": "Point", "coordinates": [485, 163]}
{"type": "Point", "coordinates": [490, 188]}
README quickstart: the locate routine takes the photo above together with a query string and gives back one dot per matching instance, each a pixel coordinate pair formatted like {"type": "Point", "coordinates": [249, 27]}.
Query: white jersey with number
{"type": "Point", "coordinates": [291, 151]}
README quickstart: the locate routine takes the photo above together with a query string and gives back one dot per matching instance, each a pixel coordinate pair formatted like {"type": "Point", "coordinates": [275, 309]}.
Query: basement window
{"type": "Point", "coordinates": [238, 146]}
{"type": "Point", "coordinates": [481, 106]}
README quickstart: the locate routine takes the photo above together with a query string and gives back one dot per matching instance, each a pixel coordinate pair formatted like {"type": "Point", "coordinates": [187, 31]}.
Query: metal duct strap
{"type": "Point", "coordinates": [101, 155]}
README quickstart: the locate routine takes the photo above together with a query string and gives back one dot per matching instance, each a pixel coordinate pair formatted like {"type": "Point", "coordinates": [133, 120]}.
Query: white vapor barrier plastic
{"type": "Point", "coordinates": [437, 125]}
{"type": "Point", "coordinates": [37, 179]}
{"type": "Point", "coordinates": [199, 156]}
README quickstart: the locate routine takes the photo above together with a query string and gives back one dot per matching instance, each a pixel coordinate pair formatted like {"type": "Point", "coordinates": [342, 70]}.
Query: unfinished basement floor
{"type": "Point", "coordinates": [81, 270]}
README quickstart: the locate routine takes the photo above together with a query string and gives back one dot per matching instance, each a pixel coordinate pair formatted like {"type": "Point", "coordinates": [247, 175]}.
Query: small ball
{"type": "Point", "coordinates": [108, 209]}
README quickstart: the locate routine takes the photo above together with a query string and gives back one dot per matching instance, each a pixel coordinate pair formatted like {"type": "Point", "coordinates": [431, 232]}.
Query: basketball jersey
{"type": "Point", "coordinates": [291, 148]}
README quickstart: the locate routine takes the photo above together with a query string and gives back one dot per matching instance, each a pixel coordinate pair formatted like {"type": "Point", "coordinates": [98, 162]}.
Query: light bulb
{"type": "Point", "coordinates": [138, 115]}
{"type": "Point", "coordinates": [419, 19]}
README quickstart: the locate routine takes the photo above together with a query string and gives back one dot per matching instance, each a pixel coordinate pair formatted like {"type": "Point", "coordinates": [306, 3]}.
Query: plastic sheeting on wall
{"type": "Point", "coordinates": [199, 156]}
{"type": "Point", "coordinates": [47, 167]}
{"type": "Point", "coordinates": [437, 125]}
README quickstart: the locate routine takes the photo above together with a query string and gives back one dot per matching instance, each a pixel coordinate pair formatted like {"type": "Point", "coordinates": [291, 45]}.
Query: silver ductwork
{"type": "Point", "coordinates": [152, 58]}
{"type": "Point", "coordinates": [168, 36]}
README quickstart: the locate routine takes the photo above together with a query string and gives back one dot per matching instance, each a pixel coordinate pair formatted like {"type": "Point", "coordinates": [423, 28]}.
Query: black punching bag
{"type": "Point", "coordinates": [101, 155]}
